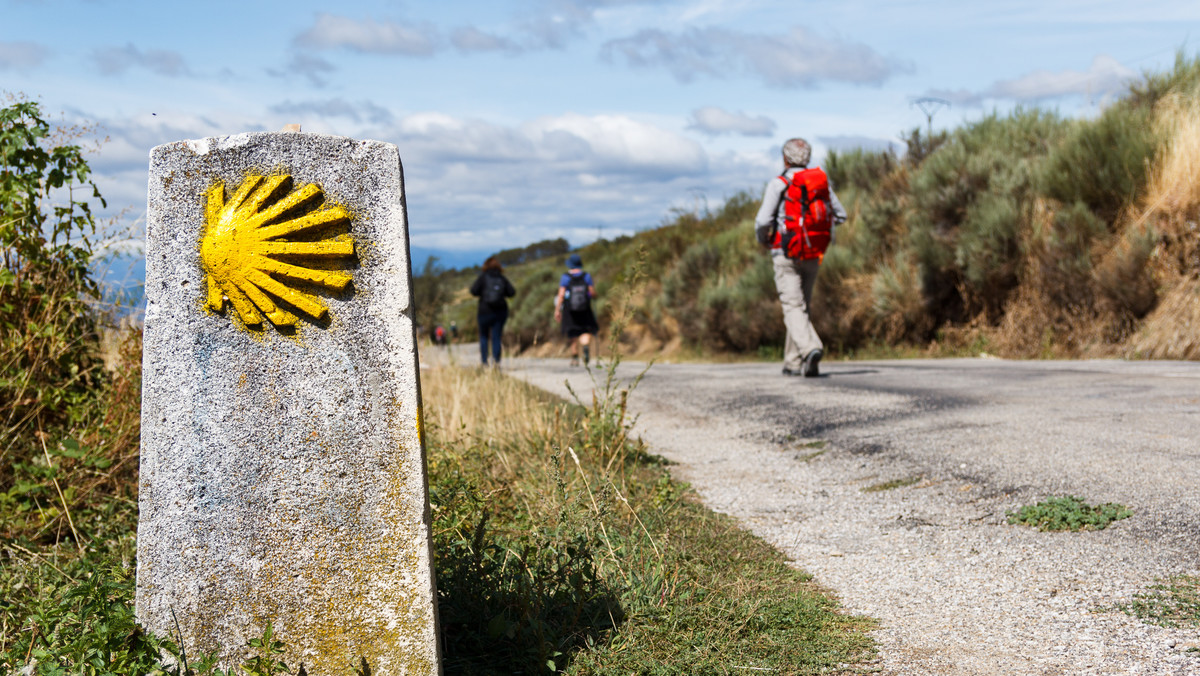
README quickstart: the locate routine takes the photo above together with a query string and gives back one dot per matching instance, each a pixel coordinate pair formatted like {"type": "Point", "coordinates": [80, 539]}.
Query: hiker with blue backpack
{"type": "Point", "coordinates": [796, 221]}
{"type": "Point", "coordinates": [492, 288]}
{"type": "Point", "coordinates": [573, 307]}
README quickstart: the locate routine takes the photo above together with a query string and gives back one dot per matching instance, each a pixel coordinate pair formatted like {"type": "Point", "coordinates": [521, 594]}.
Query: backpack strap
{"type": "Point", "coordinates": [804, 214]}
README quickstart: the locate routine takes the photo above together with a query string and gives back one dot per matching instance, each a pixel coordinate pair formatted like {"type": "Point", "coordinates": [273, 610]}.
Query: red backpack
{"type": "Point", "coordinates": [808, 218]}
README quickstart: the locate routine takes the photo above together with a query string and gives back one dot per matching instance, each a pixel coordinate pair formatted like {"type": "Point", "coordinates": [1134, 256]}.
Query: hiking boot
{"type": "Point", "coordinates": [791, 372]}
{"type": "Point", "coordinates": [811, 362]}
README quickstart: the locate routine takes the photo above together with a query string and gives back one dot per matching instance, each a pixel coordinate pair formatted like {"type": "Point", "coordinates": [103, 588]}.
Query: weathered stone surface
{"type": "Point", "coordinates": [283, 470]}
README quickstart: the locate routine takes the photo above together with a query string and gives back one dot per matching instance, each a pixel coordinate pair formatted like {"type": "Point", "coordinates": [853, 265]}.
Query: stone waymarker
{"type": "Point", "coordinates": [282, 468]}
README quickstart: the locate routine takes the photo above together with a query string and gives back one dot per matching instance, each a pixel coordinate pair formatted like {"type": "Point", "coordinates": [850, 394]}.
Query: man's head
{"type": "Point", "coordinates": [796, 152]}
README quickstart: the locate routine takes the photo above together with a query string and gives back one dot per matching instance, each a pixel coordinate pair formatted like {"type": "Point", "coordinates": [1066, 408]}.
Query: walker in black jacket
{"type": "Point", "coordinates": [492, 288]}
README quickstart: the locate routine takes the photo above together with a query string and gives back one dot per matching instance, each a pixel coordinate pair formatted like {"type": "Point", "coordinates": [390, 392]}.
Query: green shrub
{"type": "Point", "coordinates": [1063, 255]}
{"type": "Point", "coordinates": [682, 286]}
{"type": "Point", "coordinates": [971, 198]}
{"type": "Point", "coordinates": [1124, 276]}
{"type": "Point", "coordinates": [1103, 163]}
{"type": "Point", "coordinates": [858, 169]}
{"type": "Point", "coordinates": [897, 301]}
{"type": "Point", "coordinates": [47, 335]}
{"type": "Point", "coordinates": [83, 626]}
{"type": "Point", "coordinates": [744, 315]}
{"type": "Point", "coordinates": [1183, 79]}
{"type": "Point", "coordinates": [917, 148]}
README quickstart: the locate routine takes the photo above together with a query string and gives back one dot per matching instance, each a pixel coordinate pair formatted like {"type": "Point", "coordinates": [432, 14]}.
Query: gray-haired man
{"type": "Point", "coordinates": [788, 197]}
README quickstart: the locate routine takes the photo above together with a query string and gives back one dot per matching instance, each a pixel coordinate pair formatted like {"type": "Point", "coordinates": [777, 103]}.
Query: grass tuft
{"type": "Point", "coordinates": [889, 485]}
{"type": "Point", "coordinates": [1068, 513]}
{"type": "Point", "coordinates": [1173, 602]}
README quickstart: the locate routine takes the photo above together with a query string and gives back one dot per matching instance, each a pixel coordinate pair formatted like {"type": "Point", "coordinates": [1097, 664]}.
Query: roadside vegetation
{"type": "Point", "coordinates": [563, 545]}
{"type": "Point", "coordinates": [1026, 235]}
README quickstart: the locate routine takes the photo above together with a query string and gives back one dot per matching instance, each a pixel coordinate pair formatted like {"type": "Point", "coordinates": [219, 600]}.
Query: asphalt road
{"type": "Point", "coordinates": [957, 589]}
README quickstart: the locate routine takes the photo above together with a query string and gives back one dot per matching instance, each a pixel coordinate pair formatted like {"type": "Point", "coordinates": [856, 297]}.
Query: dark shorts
{"type": "Point", "coordinates": [575, 324]}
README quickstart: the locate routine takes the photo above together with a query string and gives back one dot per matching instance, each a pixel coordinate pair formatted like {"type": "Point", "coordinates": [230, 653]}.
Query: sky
{"type": "Point", "coordinates": [535, 119]}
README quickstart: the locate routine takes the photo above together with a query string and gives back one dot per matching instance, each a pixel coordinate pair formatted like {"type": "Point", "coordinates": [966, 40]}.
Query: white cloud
{"type": "Point", "coordinates": [796, 59]}
{"type": "Point", "coordinates": [1106, 77]}
{"type": "Point", "coordinates": [716, 121]}
{"type": "Point", "coordinates": [869, 143]}
{"type": "Point", "coordinates": [334, 108]}
{"type": "Point", "coordinates": [618, 142]}
{"type": "Point", "coordinates": [330, 31]}
{"type": "Point", "coordinates": [309, 66]}
{"type": "Point", "coordinates": [117, 60]}
{"type": "Point", "coordinates": [470, 39]}
{"type": "Point", "coordinates": [22, 55]}
{"type": "Point", "coordinates": [556, 176]}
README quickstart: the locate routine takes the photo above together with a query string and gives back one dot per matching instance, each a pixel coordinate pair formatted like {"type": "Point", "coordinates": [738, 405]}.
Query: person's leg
{"type": "Point", "coordinates": [497, 331]}
{"type": "Point", "coordinates": [585, 340]}
{"type": "Point", "coordinates": [808, 270]}
{"type": "Point", "coordinates": [485, 327]}
{"type": "Point", "coordinates": [794, 282]}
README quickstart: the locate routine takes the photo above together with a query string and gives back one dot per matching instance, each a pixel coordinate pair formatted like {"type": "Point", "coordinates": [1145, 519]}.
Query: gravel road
{"type": "Point", "coordinates": [957, 590]}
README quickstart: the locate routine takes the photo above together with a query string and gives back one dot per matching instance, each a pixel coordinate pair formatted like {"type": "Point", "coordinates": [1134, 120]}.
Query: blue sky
{"type": "Point", "coordinates": [526, 120]}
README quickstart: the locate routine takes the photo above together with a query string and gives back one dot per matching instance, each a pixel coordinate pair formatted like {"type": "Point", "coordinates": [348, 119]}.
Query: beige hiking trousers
{"type": "Point", "coordinates": [795, 280]}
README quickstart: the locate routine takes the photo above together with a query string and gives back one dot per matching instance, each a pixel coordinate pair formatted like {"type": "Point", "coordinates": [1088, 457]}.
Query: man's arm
{"type": "Point", "coordinates": [764, 222]}
{"type": "Point", "coordinates": [839, 211]}
{"type": "Point", "coordinates": [839, 214]}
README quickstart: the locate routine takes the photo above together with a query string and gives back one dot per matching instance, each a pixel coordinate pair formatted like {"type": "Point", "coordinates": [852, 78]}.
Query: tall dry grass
{"type": "Point", "coordinates": [466, 407]}
{"type": "Point", "coordinates": [1172, 209]}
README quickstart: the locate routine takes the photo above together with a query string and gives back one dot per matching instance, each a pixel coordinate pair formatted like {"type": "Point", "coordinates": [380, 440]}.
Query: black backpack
{"type": "Point", "coordinates": [493, 291]}
{"type": "Point", "coordinates": [577, 293]}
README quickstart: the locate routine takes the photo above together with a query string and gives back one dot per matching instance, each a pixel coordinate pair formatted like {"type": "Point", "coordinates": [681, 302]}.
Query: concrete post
{"type": "Point", "coordinates": [282, 466]}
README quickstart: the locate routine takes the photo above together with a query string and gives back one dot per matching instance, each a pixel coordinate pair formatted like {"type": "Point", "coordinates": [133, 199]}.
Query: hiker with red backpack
{"type": "Point", "coordinates": [573, 307]}
{"type": "Point", "coordinates": [796, 220]}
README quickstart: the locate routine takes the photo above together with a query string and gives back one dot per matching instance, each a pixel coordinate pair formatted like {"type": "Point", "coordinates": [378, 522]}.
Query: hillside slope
{"type": "Point", "coordinates": [1024, 235]}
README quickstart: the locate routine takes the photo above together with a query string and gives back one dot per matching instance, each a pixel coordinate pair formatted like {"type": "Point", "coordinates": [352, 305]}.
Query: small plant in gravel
{"type": "Point", "coordinates": [1174, 602]}
{"type": "Point", "coordinates": [889, 485]}
{"type": "Point", "coordinates": [1068, 513]}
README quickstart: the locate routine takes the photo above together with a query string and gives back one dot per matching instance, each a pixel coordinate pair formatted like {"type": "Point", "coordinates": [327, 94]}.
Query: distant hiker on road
{"type": "Point", "coordinates": [492, 288]}
{"type": "Point", "coordinates": [796, 220]}
{"type": "Point", "coordinates": [573, 307]}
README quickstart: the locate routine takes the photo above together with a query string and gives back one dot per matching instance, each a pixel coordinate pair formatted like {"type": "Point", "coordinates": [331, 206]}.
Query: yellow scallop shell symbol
{"type": "Point", "coordinates": [251, 258]}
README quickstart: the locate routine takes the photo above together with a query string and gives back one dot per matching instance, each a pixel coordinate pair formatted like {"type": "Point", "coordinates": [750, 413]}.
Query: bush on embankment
{"type": "Point", "coordinates": [1024, 234]}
